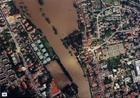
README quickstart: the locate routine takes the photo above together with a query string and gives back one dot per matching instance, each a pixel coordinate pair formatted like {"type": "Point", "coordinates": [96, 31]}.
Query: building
{"type": "Point", "coordinates": [137, 66]}
{"type": "Point", "coordinates": [136, 72]}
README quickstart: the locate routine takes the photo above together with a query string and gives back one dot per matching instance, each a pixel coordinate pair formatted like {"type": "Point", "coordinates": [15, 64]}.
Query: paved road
{"type": "Point", "coordinates": [17, 46]}
{"type": "Point", "coordinates": [98, 27]}
{"type": "Point", "coordinates": [69, 62]}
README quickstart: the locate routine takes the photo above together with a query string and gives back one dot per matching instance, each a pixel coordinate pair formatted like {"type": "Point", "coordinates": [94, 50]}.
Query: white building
{"type": "Point", "coordinates": [136, 73]}
{"type": "Point", "coordinates": [137, 65]}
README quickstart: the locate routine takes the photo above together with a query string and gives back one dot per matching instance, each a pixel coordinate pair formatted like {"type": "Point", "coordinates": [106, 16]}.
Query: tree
{"type": "Point", "coordinates": [41, 2]}
{"type": "Point", "coordinates": [107, 80]}
{"type": "Point", "coordinates": [113, 62]}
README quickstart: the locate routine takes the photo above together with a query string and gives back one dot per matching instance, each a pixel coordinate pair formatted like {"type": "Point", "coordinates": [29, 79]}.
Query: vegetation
{"type": "Point", "coordinates": [48, 20]}
{"type": "Point", "coordinates": [13, 8]}
{"type": "Point", "coordinates": [113, 62]}
{"type": "Point", "coordinates": [43, 14]}
{"type": "Point", "coordinates": [41, 2]}
{"type": "Point", "coordinates": [48, 47]}
{"type": "Point", "coordinates": [82, 27]}
{"type": "Point", "coordinates": [107, 80]}
{"type": "Point", "coordinates": [55, 30]}
{"type": "Point", "coordinates": [38, 32]}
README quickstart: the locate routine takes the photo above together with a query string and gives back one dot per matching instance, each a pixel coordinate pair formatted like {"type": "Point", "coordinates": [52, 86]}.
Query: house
{"type": "Point", "coordinates": [137, 67]}
{"type": "Point", "coordinates": [41, 51]}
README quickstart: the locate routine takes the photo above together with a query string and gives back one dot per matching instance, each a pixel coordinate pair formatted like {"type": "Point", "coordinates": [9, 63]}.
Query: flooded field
{"type": "Point", "coordinates": [63, 17]}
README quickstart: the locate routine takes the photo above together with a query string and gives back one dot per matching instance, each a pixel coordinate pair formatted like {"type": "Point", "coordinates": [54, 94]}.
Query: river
{"type": "Point", "coordinates": [63, 16]}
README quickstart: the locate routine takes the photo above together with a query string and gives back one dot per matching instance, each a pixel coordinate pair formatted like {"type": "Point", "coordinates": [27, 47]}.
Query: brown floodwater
{"type": "Point", "coordinates": [63, 16]}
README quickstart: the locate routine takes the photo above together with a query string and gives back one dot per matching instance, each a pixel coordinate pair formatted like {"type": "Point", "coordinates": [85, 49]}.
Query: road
{"type": "Point", "coordinates": [117, 30]}
{"type": "Point", "coordinates": [70, 62]}
{"type": "Point", "coordinates": [98, 15]}
{"type": "Point", "coordinates": [98, 31]}
{"type": "Point", "coordinates": [17, 46]}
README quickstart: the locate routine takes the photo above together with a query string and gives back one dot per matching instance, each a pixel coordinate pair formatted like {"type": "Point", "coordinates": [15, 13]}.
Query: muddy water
{"type": "Point", "coordinates": [58, 75]}
{"type": "Point", "coordinates": [62, 15]}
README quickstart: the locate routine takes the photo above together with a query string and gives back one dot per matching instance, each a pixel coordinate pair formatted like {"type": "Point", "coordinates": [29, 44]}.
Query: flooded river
{"type": "Point", "coordinates": [62, 15]}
